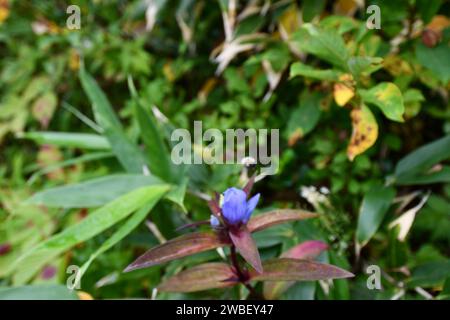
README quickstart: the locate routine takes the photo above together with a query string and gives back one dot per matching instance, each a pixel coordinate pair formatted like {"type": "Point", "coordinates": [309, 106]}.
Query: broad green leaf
{"type": "Point", "coordinates": [38, 292]}
{"type": "Point", "coordinates": [271, 218]}
{"type": "Point", "coordinates": [307, 250]}
{"type": "Point", "coordinates": [201, 277]}
{"type": "Point", "coordinates": [95, 223]}
{"type": "Point", "coordinates": [430, 274]}
{"type": "Point", "coordinates": [121, 233]}
{"type": "Point", "coordinates": [312, 8]}
{"type": "Point", "coordinates": [364, 132]}
{"type": "Point", "coordinates": [386, 96]}
{"type": "Point", "coordinates": [374, 206]}
{"type": "Point", "coordinates": [360, 66]}
{"type": "Point", "coordinates": [92, 193]}
{"type": "Point", "coordinates": [435, 59]}
{"type": "Point", "coordinates": [69, 140]}
{"type": "Point", "coordinates": [287, 269]}
{"type": "Point", "coordinates": [179, 247]}
{"type": "Point", "coordinates": [246, 245]}
{"type": "Point", "coordinates": [128, 154]}
{"type": "Point", "coordinates": [301, 69]}
{"type": "Point", "coordinates": [419, 161]}
{"type": "Point", "coordinates": [326, 44]}
{"type": "Point", "coordinates": [304, 118]}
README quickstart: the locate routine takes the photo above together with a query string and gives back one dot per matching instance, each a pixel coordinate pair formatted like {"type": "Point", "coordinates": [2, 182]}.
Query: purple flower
{"type": "Point", "coordinates": [236, 209]}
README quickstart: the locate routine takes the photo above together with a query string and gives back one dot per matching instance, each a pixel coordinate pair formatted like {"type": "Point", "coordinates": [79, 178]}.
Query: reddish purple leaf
{"type": "Point", "coordinates": [244, 242]}
{"type": "Point", "coordinates": [268, 219]}
{"type": "Point", "coordinates": [286, 269]}
{"type": "Point", "coordinates": [182, 246]}
{"type": "Point", "coordinates": [307, 250]}
{"type": "Point", "coordinates": [202, 277]}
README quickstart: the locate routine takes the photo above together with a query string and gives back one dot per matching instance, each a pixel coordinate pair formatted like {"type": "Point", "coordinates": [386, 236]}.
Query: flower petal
{"type": "Point", "coordinates": [251, 205]}
{"type": "Point", "coordinates": [234, 205]}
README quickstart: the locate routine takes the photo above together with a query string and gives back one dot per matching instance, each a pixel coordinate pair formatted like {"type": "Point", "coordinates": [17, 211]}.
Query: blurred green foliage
{"type": "Point", "coordinates": [363, 114]}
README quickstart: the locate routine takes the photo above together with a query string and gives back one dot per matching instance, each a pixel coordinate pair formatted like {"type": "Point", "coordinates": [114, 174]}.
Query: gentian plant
{"type": "Point", "coordinates": [232, 226]}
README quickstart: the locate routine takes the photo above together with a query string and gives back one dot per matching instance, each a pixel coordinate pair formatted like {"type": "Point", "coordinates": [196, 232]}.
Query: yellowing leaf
{"type": "Point", "coordinates": [74, 60]}
{"type": "Point", "coordinates": [168, 72]}
{"type": "Point", "coordinates": [439, 23]}
{"type": "Point", "coordinates": [342, 94]}
{"type": "Point", "coordinates": [388, 97]}
{"type": "Point", "coordinates": [346, 7]}
{"type": "Point", "coordinates": [290, 20]}
{"type": "Point", "coordinates": [365, 131]}
{"type": "Point", "coordinates": [84, 295]}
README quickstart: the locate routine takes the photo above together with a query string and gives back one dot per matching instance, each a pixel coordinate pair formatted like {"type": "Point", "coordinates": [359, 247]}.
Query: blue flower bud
{"type": "Point", "coordinates": [214, 221]}
{"type": "Point", "coordinates": [236, 209]}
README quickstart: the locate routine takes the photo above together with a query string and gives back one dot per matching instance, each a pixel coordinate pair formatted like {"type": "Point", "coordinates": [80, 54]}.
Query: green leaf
{"type": "Point", "coordinates": [304, 118]}
{"type": "Point", "coordinates": [301, 69]}
{"type": "Point", "coordinates": [92, 193]}
{"type": "Point", "coordinates": [38, 292]}
{"type": "Point", "coordinates": [286, 269]}
{"type": "Point", "coordinates": [439, 176]}
{"type": "Point", "coordinates": [388, 98]}
{"type": "Point", "coordinates": [95, 223]}
{"type": "Point", "coordinates": [430, 274]}
{"type": "Point", "coordinates": [177, 193]}
{"type": "Point", "coordinates": [127, 153]}
{"type": "Point", "coordinates": [326, 44]}
{"type": "Point", "coordinates": [435, 59]}
{"type": "Point", "coordinates": [70, 162]}
{"type": "Point", "coordinates": [179, 247]}
{"type": "Point", "coordinates": [274, 217]}
{"type": "Point", "coordinates": [69, 140]}
{"type": "Point", "coordinates": [202, 277]}
{"type": "Point", "coordinates": [359, 66]}
{"type": "Point", "coordinates": [419, 161]}
{"type": "Point", "coordinates": [312, 8]}
{"type": "Point", "coordinates": [157, 153]}
{"type": "Point", "coordinates": [374, 206]}
{"type": "Point", "coordinates": [121, 233]}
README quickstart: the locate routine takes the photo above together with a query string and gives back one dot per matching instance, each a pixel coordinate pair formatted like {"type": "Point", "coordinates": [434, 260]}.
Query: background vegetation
{"type": "Point", "coordinates": [364, 122]}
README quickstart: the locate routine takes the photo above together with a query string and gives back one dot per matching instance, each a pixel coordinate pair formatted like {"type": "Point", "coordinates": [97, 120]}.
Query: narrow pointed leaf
{"type": "Point", "coordinates": [127, 153]}
{"type": "Point", "coordinates": [68, 139]}
{"type": "Point", "coordinates": [157, 152]}
{"type": "Point", "coordinates": [92, 193]}
{"type": "Point", "coordinates": [244, 242]}
{"type": "Point", "coordinates": [95, 223]}
{"type": "Point", "coordinates": [202, 277]}
{"type": "Point", "coordinates": [275, 217]}
{"type": "Point", "coordinates": [307, 250]}
{"type": "Point", "coordinates": [179, 247]}
{"type": "Point", "coordinates": [286, 269]}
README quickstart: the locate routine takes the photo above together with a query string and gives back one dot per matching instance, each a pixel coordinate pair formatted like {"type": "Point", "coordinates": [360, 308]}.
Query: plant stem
{"type": "Point", "coordinates": [242, 276]}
